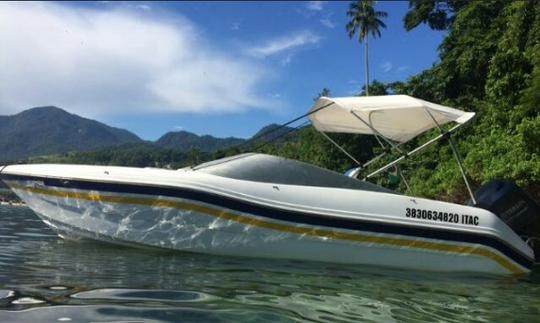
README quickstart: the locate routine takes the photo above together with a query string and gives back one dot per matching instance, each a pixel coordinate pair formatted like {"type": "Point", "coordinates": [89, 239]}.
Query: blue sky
{"type": "Point", "coordinates": [219, 68]}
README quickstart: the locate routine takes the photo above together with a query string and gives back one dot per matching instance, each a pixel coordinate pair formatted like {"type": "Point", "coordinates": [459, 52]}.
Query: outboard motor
{"type": "Point", "coordinates": [514, 207]}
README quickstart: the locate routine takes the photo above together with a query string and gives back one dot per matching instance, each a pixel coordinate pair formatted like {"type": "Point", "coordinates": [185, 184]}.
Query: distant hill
{"type": "Point", "coordinates": [51, 130]}
{"type": "Point", "coordinates": [186, 141]}
{"type": "Point", "coordinates": [274, 131]}
{"type": "Point", "coordinates": [141, 154]}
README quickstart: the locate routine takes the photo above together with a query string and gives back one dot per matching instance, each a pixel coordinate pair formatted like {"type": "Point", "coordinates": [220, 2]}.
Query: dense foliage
{"type": "Point", "coordinates": [136, 155]}
{"type": "Point", "coordinates": [186, 141]}
{"type": "Point", "coordinates": [438, 14]}
{"type": "Point", "coordinates": [489, 64]}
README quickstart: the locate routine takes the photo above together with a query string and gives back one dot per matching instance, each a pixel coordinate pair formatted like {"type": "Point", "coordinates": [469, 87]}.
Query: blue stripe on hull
{"type": "Point", "coordinates": [288, 215]}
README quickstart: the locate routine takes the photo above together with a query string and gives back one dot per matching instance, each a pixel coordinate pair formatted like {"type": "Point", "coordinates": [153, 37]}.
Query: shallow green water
{"type": "Point", "coordinates": [43, 278]}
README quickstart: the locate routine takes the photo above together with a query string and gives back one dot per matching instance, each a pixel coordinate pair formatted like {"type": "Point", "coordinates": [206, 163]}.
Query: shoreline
{"type": "Point", "coordinates": [7, 197]}
{"type": "Point", "coordinates": [12, 203]}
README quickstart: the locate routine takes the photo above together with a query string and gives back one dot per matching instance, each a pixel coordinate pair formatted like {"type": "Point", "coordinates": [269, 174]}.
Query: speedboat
{"type": "Point", "coordinates": [257, 205]}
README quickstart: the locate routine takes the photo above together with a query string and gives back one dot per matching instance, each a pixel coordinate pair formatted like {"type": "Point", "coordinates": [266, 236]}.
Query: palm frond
{"type": "Point", "coordinates": [364, 19]}
{"type": "Point", "coordinates": [381, 23]}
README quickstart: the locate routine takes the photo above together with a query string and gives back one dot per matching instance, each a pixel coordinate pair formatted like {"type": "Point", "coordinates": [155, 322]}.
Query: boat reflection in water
{"type": "Point", "coordinates": [46, 279]}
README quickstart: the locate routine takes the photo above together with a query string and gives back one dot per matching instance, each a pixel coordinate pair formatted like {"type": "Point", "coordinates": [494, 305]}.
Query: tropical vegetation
{"type": "Point", "coordinates": [489, 63]}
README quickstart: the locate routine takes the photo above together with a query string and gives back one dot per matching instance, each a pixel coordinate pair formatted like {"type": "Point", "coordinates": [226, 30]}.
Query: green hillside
{"type": "Point", "coordinates": [135, 154]}
{"type": "Point", "coordinates": [186, 141]}
{"type": "Point", "coordinates": [51, 130]}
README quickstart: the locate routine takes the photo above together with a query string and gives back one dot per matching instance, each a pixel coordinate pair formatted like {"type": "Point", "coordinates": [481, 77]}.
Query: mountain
{"type": "Point", "coordinates": [273, 132]}
{"type": "Point", "coordinates": [44, 131]}
{"type": "Point", "coordinates": [186, 141]}
{"type": "Point", "coordinates": [51, 130]}
{"type": "Point", "coordinates": [267, 131]}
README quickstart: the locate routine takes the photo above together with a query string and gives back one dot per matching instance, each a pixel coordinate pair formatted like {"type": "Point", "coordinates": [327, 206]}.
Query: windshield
{"type": "Point", "coordinates": [279, 170]}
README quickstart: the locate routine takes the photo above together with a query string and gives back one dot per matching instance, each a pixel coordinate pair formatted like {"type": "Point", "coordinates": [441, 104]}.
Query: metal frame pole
{"type": "Point", "coordinates": [405, 181]}
{"type": "Point", "coordinates": [412, 152]}
{"type": "Point", "coordinates": [379, 141]}
{"type": "Point", "coordinates": [374, 159]}
{"type": "Point", "coordinates": [456, 156]}
{"type": "Point", "coordinates": [376, 136]}
{"type": "Point", "coordinates": [461, 169]}
{"type": "Point", "coordinates": [400, 173]}
{"type": "Point", "coordinates": [377, 133]}
{"type": "Point", "coordinates": [341, 148]}
{"type": "Point", "coordinates": [260, 136]}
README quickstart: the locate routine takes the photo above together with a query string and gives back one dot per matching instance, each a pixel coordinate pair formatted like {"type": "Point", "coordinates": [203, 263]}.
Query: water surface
{"type": "Point", "coordinates": [46, 279]}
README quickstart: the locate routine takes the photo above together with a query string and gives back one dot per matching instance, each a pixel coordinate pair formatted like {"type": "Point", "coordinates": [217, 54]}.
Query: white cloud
{"type": "Point", "coordinates": [327, 23]}
{"type": "Point", "coordinates": [316, 5]}
{"type": "Point", "coordinates": [283, 44]}
{"type": "Point", "coordinates": [386, 66]}
{"type": "Point", "coordinates": [286, 60]}
{"type": "Point", "coordinates": [143, 7]}
{"type": "Point", "coordinates": [114, 61]}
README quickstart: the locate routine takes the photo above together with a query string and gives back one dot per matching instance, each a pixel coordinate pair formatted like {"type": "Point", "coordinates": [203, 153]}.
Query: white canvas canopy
{"type": "Point", "coordinates": [396, 117]}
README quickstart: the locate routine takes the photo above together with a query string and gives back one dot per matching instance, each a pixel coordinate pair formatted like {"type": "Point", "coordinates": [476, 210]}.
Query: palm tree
{"type": "Point", "coordinates": [365, 20]}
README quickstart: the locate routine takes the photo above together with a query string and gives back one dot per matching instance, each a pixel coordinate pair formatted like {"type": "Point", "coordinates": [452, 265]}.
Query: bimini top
{"type": "Point", "coordinates": [396, 117]}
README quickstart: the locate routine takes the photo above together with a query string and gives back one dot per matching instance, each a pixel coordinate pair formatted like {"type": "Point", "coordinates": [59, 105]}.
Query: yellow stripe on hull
{"type": "Point", "coordinates": [314, 232]}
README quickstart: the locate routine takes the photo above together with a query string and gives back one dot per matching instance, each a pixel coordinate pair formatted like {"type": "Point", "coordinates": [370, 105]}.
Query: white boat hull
{"type": "Point", "coordinates": [206, 225]}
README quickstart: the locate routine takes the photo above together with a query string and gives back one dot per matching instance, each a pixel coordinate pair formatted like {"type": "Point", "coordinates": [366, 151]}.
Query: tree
{"type": "Point", "coordinates": [377, 88]}
{"type": "Point", "coordinates": [324, 92]}
{"type": "Point", "coordinates": [365, 20]}
{"type": "Point", "coordinates": [438, 14]}
{"type": "Point", "coordinates": [194, 156]}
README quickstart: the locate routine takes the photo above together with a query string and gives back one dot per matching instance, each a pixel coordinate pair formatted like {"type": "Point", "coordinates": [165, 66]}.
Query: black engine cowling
{"type": "Point", "coordinates": [514, 207]}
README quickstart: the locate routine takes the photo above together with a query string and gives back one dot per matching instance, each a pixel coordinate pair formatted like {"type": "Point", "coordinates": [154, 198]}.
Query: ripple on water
{"type": "Point", "coordinates": [27, 301]}
{"type": "Point", "coordinates": [34, 235]}
{"type": "Point", "coordinates": [119, 313]}
{"type": "Point", "coordinates": [6, 294]}
{"type": "Point", "coordinates": [54, 281]}
{"type": "Point", "coordinates": [142, 295]}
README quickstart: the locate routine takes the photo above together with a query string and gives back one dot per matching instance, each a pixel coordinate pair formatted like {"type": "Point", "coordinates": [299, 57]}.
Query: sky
{"type": "Point", "coordinates": [219, 68]}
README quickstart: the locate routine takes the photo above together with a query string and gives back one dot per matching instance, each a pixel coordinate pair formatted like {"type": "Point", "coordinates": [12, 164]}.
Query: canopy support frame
{"type": "Point", "coordinates": [456, 156]}
{"type": "Point", "coordinates": [412, 152]}
{"type": "Point", "coordinates": [405, 181]}
{"type": "Point", "coordinates": [460, 117]}
{"type": "Point", "coordinates": [360, 165]}
{"type": "Point", "coordinates": [376, 132]}
{"type": "Point", "coordinates": [342, 149]}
